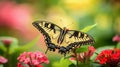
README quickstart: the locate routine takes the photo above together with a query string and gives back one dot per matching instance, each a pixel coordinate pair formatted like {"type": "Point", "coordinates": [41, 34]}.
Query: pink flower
{"type": "Point", "coordinates": [19, 65]}
{"type": "Point", "coordinates": [85, 56]}
{"type": "Point", "coordinates": [116, 38]}
{"type": "Point", "coordinates": [3, 60]}
{"type": "Point", "coordinates": [32, 58]}
{"type": "Point", "coordinates": [71, 59]}
{"type": "Point", "coordinates": [16, 18]}
{"type": "Point", "coordinates": [13, 15]}
{"type": "Point", "coordinates": [6, 41]}
{"type": "Point", "coordinates": [39, 65]}
{"type": "Point", "coordinates": [90, 51]}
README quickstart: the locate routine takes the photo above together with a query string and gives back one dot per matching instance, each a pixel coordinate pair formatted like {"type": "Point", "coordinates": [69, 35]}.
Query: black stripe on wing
{"type": "Point", "coordinates": [45, 34]}
{"type": "Point", "coordinates": [83, 38]}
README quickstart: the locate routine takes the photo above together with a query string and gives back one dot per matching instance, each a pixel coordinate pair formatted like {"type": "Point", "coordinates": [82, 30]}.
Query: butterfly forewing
{"type": "Point", "coordinates": [52, 30]}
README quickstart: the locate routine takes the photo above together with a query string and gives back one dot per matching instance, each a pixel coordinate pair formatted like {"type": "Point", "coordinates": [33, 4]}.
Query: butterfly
{"type": "Point", "coordinates": [62, 39]}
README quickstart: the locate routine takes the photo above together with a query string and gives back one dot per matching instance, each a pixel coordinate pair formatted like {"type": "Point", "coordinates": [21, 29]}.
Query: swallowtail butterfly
{"type": "Point", "coordinates": [62, 39]}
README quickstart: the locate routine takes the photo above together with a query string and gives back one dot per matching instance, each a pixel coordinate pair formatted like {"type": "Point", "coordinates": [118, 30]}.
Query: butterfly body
{"type": "Point", "coordinates": [62, 39]}
{"type": "Point", "coordinates": [62, 35]}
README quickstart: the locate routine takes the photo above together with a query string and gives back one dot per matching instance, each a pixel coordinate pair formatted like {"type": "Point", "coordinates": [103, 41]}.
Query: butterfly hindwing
{"type": "Point", "coordinates": [75, 38]}
{"type": "Point", "coordinates": [80, 37]}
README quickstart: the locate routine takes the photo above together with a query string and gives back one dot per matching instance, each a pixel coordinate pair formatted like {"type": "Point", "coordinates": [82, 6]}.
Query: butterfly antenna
{"type": "Point", "coordinates": [46, 51]}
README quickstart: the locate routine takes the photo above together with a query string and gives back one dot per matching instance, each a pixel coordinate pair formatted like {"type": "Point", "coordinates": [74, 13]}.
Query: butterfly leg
{"type": "Point", "coordinates": [51, 47]}
{"type": "Point", "coordinates": [62, 50]}
{"type": "Point", "coordinates": [46, 51]}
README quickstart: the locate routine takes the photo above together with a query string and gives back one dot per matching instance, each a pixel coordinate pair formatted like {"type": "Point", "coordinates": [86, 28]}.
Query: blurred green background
{"type": "Point", "coordinates": [16, 17]}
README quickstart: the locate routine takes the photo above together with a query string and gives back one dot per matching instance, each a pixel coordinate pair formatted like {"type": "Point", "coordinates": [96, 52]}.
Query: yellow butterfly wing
{"type": "Point", "coordinates": [71, 38]}
{"type": "Point", "coordinates": [50, 32]}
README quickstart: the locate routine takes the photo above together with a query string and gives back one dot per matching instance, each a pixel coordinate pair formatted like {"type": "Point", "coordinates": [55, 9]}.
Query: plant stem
{"type": "Point", "coordinates": [74, 51]}
{"type": "Point", "coordinates": [7, 55]}
{"type": "Point", "coordinates": [76, 59]}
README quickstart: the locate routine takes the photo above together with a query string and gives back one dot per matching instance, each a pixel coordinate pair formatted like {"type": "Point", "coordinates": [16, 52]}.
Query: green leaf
{"type": "Point", "coordinates": [1, 65]}
{"type": "Point", "coordinates": [96, 65]}
{"type": "Point", "coordinates": [118, 45]}
{"type": "Point", "coordinates": [12, 46]}
{"type": "Point", "coordinates": [29, 45]}
{"type": "Point", "coordinates": [72, 65]}
{"type": "Point", "coordinates": [84, 65]}
{"type": "Point", "coordinates": [73, 61]}
{"type": "Point", "coordinates": [88, 28]}
{"type": "Point", "coordinates": [82, 49]}
{"type": "Point", "coordinates": [104, 48]}
{"type": "Point", "coordinates": [2, 47]}
{"type": "Point", "coordinates": [63, 63]}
